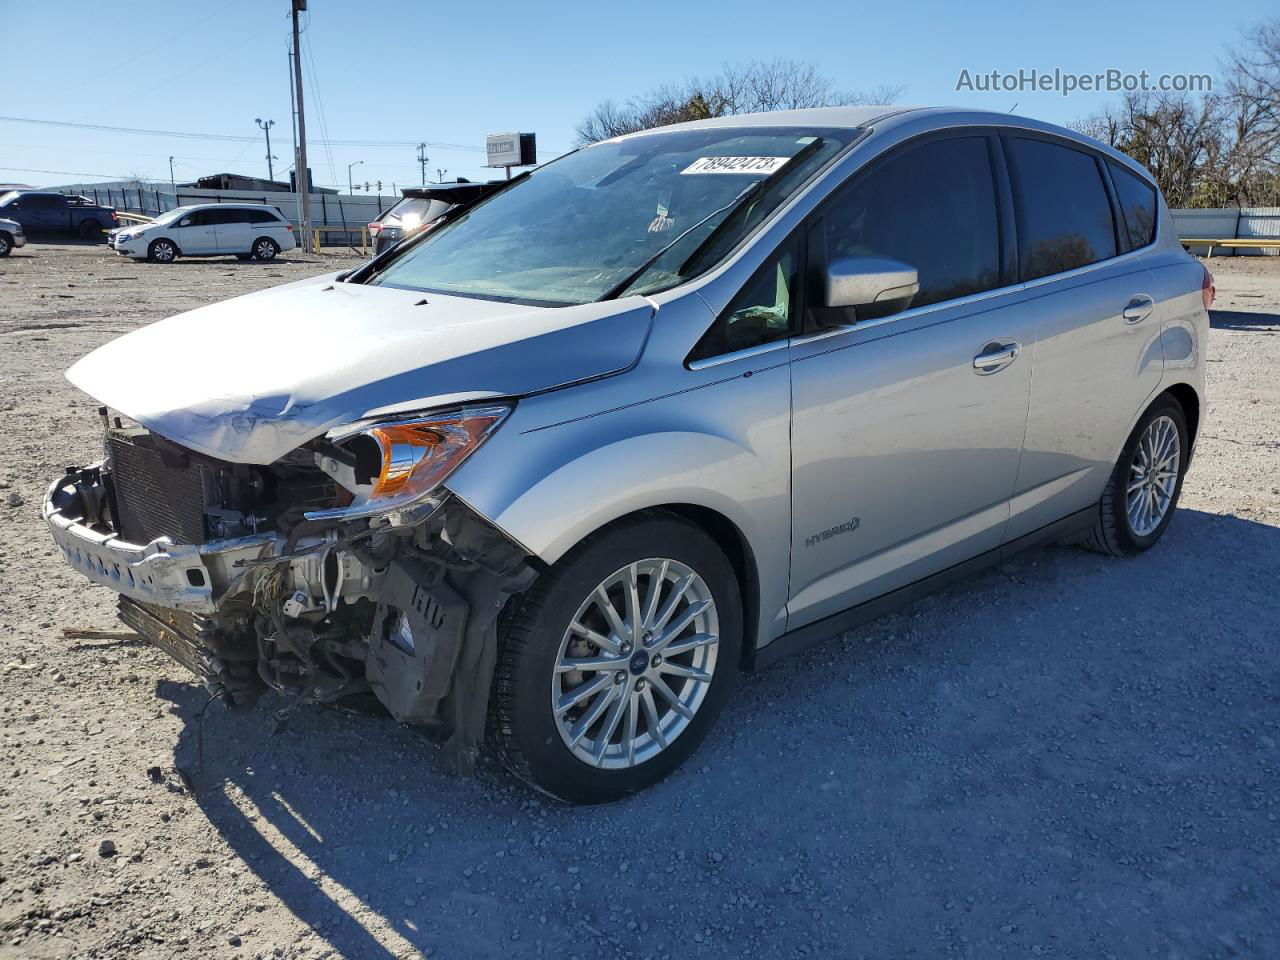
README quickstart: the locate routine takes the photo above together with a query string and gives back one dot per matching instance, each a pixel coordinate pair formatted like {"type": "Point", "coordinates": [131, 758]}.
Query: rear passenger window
{"type": "Point", "coordinates": [1064, 216]}
{"type": "Point", "coordinates": [1137, 204]}
{"type": "Point", "coordinates": [934, 208]}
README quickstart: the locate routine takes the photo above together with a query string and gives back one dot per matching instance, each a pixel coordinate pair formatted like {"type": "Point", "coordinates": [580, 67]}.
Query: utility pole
{"type": "Point", "coordinates": [304, 186]}
{"type": "Point", "coordinates": [173, 186]}
{"type": "Point", "coordinates": [422, 161]}
{"type": "Point", "coordinates": [266, 126]}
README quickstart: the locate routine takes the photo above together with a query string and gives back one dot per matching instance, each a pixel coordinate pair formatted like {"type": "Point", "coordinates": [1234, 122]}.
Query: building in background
{"type": "Point", "coordinates": [236, 181]}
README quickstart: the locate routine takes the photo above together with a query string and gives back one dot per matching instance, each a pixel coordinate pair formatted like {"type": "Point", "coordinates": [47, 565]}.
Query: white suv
{"type": "Point", "coordinates": [209, 230]}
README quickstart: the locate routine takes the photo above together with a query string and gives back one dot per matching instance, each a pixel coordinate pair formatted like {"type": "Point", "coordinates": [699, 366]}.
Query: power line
{"type": "Point", "coordinates": [68, 173]}
{"type": "Point", "coordinates": [236, 138]}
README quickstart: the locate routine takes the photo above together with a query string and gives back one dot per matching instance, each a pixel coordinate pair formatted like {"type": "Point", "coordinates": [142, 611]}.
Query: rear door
{"type": "Point", "coordinates": [233, 229]}
{"type": "Point", "coordinates": [1097, 347]}
{"type": "Point", "coordinates": [907, 430]}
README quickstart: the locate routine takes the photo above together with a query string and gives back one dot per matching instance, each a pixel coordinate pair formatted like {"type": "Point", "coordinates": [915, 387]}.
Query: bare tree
{"type": "Point", "coordinates": [752, 87]}
{"type": "Point", "coordinates": [1220, 149]}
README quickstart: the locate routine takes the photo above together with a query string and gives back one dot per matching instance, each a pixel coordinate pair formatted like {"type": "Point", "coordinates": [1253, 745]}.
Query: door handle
{"type": "Point", "coordinates": [1138, 309]}
{"type": "Point", "coordinates": [996, 355]}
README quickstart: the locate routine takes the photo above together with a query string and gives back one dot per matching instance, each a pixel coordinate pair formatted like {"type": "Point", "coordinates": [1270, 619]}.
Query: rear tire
{"type": "Point", "coordinates": [1142, 493]}
{"type": "Point", "coordinates": [90, 230]}
{"type": "Point", "coordinates": [162, 251]}
{"type": "Point", "coordinates": [632, 679]}
{"type": "Point", "coordinates": [264, 248]}
{"type": "Point", "coordinates": [6, 244]}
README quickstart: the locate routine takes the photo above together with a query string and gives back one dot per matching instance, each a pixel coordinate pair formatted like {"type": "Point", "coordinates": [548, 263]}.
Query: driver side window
{"type": "Point", "coordinates": [763, 311]}
{"type": "Point", "coordinates": [932, 207]}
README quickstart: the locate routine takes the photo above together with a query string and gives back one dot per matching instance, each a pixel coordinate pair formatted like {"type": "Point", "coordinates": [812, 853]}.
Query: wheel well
{"type": "Point", "coordinates": [735, 546]}
{"type": "Point", "coordinates": [1186, 396]}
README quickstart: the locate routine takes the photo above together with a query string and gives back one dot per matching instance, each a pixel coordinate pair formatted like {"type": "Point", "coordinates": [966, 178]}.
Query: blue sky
{"type": "Point", "coordinates": [409, 71]}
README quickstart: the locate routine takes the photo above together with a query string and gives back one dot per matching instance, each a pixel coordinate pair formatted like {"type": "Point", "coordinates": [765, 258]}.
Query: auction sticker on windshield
{"type": "Point", "coordinates": [760, 166]}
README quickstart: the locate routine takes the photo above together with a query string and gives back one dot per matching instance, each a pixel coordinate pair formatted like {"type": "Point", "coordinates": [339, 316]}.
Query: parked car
{"type": "Point", "coordinates": [248, 230]}
{"type": "Point", "coordinates": [46, 212]}
{"type": "Point", "coordinates": [672, 406]}
{"type": "Point", "coordinates": [420, 207]}
{"type": "Point", "coordinates": [11, 236]}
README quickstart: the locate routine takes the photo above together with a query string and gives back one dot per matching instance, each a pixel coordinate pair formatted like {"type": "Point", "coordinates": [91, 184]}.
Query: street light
{"type": "Point", "coordinates": [440, 175]}
{"type": "Point", "coordinates": [266, 126]}
{"type": "Point", "coordinates": [350, 188]}
{"type": "Point", "coordinates": [172, 185]}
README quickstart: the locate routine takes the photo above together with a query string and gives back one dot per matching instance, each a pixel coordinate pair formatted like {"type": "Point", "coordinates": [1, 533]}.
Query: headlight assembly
{"type": "Point", "coordinates": [400, 464]}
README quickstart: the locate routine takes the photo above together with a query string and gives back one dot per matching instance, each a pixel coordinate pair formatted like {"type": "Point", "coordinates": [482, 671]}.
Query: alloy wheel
{"type": "Point", "coordinates": [635, 663]}
{"type": "Point", "coordinates": [1153, 476]}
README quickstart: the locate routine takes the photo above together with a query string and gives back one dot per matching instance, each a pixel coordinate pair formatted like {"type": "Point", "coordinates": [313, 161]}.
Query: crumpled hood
{"type": "Point", "coordinates": [249, 379]}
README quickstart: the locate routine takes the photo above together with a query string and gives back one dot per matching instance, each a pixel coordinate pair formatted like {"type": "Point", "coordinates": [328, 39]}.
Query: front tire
{"type": "Point", "coordinates": [617, 661]}
{"type": "Point", "coordinates": [6, 244]}
{"type": "Point", "coordinates": [1142, 493]}
{"type": "Point", "coordinates": [264, 248]}
{"type": "Point", "coordinates": [162, 251]}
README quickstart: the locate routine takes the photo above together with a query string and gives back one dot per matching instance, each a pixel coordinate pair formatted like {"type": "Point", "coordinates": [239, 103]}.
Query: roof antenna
{"type": "Point", "coordinates": [1014, 107]}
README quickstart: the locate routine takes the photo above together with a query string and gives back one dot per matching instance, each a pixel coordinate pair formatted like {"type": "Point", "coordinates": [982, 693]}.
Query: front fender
{"type": "Point", "coordinates": [724, 446]}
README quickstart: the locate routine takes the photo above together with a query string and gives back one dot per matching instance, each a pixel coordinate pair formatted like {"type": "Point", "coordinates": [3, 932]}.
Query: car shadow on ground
{"type": "Point", "coordinates": [1241, 320]}
{"type": "Point", "coordinates": [1062, 751]}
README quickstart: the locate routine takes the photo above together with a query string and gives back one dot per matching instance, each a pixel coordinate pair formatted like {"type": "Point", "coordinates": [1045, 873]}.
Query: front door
{"type": "Point", "coordinates": [194, 234]}
{"type": "Point", "coordinates": [907, 430]}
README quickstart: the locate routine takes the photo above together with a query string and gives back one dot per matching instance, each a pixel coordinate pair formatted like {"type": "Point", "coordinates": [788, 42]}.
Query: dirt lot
{"type": "Point", "coordinates": [1068, 757]}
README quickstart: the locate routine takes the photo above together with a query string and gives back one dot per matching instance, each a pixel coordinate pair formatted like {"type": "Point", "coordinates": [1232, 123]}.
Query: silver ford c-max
{"type": "Point", "coordinates": [549, 474]}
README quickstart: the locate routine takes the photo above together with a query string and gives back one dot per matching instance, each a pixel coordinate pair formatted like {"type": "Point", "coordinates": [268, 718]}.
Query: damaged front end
{"type": "Point", "coordinates": [343, 568]}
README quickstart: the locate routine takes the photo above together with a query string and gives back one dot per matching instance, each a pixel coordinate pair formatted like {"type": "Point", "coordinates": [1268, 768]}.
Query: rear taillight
{"type": "Point", "coordinates": [375, 228]}
{"type": "Point", "coordinates": [1207, 290]}
{"type": "Point", "coordinates": [289, 227]}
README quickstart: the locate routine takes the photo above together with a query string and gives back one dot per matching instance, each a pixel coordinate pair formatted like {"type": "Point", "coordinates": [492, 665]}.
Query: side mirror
{"type": "Point", "coordinates": [869, 287]}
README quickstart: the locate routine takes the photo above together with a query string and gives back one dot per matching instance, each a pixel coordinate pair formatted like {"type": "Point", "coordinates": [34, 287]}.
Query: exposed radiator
{"type": "Point", "coordinates": [154, 500]}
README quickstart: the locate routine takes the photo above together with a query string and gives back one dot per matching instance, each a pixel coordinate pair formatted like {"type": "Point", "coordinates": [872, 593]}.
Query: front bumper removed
{"type": "Point", "coordinates": [164, 574]}
{"type": "Point", "coordinates": [409, 614]}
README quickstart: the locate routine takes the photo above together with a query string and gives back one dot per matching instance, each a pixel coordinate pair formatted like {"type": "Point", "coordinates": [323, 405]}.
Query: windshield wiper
{"type": "Point", "coordinates": [637, 273]}
{"type": "Point", "coordinates": [749, 193]}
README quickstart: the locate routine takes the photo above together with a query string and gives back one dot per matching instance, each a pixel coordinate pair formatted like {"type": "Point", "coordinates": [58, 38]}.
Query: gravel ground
{"type": "Point", "coordinates": [1068, 757]}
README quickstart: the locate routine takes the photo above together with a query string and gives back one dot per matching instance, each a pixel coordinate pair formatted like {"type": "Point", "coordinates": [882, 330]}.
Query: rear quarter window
{"type": "Point", "coordinates": [1137, 205]}
{"type": "Point", "coordinates": [1064, 215]}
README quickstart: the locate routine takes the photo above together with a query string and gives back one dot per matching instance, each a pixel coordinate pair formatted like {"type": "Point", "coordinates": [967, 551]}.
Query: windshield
{"type": "Point", "coordinates": [172, 215]}
{"type": "Point", "coordinates": [576, 229]}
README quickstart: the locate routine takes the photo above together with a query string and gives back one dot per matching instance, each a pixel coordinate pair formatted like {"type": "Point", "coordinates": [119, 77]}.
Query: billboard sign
{"type": "Point", "coordinates": [510, 150]}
